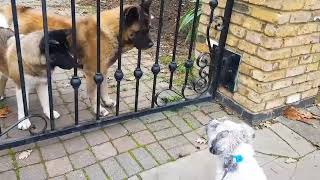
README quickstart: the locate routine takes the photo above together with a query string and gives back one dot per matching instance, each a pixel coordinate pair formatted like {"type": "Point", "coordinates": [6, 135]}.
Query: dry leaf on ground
{"type": "Point", "coordinates": [4, 112]}
{"type": "Point", "coordinates": [298, 115]}
{"type": "Point", "coordinates": [25, 154]}
{"type": "Point", "coordinates": [201, 141]}
{"type": "Point", "coordinates": [290, 160]}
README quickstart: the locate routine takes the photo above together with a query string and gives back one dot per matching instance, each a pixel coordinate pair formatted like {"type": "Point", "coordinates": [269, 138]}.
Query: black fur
{"type": "Point", "coordinates": [59, 49]}
{"type": "Point", "coordinates": [140, 14]}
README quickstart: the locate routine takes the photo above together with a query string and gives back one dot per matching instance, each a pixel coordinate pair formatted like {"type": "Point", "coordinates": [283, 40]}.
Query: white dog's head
{"type": "Point", "coordinates": [224, 137]}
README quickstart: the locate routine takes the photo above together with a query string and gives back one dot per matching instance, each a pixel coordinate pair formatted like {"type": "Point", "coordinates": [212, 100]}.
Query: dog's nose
{"type": "Point", "coordinates": [150, 44]}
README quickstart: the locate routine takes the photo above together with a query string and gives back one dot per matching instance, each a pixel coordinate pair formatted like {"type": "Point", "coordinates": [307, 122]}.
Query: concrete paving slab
{"type": "Point", "coordinates": [200, 165]}
{"type": "Point", "coordinates": [310, 133]}
{"type": "Point", "coordinates": [267, 142]}
{"type": "Point", "coordinates": [298, 143]}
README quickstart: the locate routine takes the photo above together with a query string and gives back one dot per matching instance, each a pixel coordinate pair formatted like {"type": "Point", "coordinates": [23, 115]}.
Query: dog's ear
{"type": "Point", "coordinates": [247, 133]}
{"type": "Point", "coordinates": [131, 14]}
{"type": "Point", "coordinates": [146, 4]}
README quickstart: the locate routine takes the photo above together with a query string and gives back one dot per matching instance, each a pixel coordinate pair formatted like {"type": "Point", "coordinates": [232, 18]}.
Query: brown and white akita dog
{"type": "Point", "coordinates": [137, 21]}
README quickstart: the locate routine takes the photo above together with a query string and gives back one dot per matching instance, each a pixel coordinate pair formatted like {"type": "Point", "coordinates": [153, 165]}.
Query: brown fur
{"type": "Point", "coordinates": [31, 20]}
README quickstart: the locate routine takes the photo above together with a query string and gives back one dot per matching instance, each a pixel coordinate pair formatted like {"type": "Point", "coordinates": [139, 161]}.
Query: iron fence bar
{"type": "Point", "coordinates": [46, 40]}
{"type": "Point", "coordinates": [19, 55]}
{"type": "Point", "coordinates": [189, 62]}
{"type": "Point", "coordinates": [93, 124]}
{"type": "Point", "coordinates": [156, 67]}
{"type": "Point", "coordinates": [98, 77]}
{"type": "Point", "coordinates": [213, 5]}
{"type": "Point", "coordinates": [75, 80]}
{"type": "Point", "coordinates": [137, 74]}
{"type": "Point", "coordinates": [119, 74]}
{"type": "Point", "coordinates": [219, 51]}
{"type": "Point", "coordinates": [173, 64]}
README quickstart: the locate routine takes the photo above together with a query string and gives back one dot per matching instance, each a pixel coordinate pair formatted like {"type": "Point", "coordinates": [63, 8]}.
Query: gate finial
{"type": "Point", "coordinates": [213, 4]}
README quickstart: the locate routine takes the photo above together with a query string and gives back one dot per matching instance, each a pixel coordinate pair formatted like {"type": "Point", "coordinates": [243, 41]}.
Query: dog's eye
{"type": "Point", "coordinates": [131, 35]}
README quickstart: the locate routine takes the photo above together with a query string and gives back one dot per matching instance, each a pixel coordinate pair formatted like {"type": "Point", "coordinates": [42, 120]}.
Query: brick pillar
{"type": "Point", "coordinates": [279, 42]}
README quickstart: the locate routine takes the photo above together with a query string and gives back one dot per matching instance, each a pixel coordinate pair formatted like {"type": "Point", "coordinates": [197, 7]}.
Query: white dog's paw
{"type": "Point", "coordinates": [109, 102]}
{"type": "Point", "coordinates": [24, 125]}
{"type": "Point", "coordinates": [103, 111]}
{"type": "Point", "coordinates": [56, 115]}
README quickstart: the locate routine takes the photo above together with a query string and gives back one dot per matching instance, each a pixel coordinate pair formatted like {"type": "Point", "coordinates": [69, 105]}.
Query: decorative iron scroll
{"type": "Point", "coordinates": [204, 63]}
{"type": "Point", "coordinates": [38, 127]}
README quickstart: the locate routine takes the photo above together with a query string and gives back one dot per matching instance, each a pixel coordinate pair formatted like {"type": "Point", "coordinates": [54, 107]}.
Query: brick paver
{"type": "Point", "coordinates": [8, 175]}
{"type": "Point", "coordinates": [82, 159]}
{"type": "Point", "coordinates": [158, 153]}
{"type": "Point", "coordinates": [95, 172]}
{"type": "Point", "coordinates": [96, 137]}
{"type": "Point", "coordinates": [144, 137]}
{"type": "Point", "coordinates": [76, 175]}
{"type": "Point", "coordinates": [144, 158]}
{"type": "Point", "coordinates": [33, 172]}
{"type": "Point", "coordinates": [58, 166]}
{"type": "Point", "coordinates": [167, 133]}
{"type": "Point", "coordinates": [75, 144]}
{"type": "Point", "coordinates": [134, 125]}
{"type": "Point", "coordinates": [113, 169]}
{"type": "Point", "coordinates": [128, 163]}
{"type": "Point", "coordinates": [116, 131]}
{"type": "Point", "coordinates": [53, 151]}
{"type": "Point", "coordinates": [124, 144]}
{"type": "Point", "coordinates": [104, 151]}
{"type": "Point", "coordinates": [5, 163]}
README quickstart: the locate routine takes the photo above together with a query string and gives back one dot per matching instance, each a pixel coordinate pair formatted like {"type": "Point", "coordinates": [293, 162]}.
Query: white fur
{"type": "Point", "coordinates": [42, 89]}
{"type": "Point", "coordinates": [238, 141]}
{"type": "Point", "coordinates": [248, 169]}
{"type": "Point", "coordinates": [3, 21]}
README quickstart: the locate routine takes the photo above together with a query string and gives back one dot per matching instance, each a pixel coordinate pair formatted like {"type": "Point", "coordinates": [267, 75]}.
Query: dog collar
{"type": "Point", "coordinates": [237, 158]}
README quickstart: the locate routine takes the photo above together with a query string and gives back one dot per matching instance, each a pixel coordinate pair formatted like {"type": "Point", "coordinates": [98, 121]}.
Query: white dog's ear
{"type": "Point", "coordinates": [247, 133]}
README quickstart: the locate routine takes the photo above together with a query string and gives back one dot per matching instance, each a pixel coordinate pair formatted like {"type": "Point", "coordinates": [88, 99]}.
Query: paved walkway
{"type": "Point", "coordinates": [154, 147]}
{"type": "Point", "coordinates": [158, 146]}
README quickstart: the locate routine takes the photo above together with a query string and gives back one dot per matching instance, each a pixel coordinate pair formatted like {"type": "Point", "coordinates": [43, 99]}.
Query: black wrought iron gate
{"type": "Point", "coordinates": [203, 89]}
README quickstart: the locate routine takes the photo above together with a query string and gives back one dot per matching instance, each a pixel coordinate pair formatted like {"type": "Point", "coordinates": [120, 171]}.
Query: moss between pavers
{"type": "Point", "coordinates": [12, 154]}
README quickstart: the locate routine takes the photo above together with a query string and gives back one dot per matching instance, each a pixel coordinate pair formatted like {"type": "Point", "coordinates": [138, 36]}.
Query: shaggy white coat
{"type": "Point", "coordinates": [238, 141]}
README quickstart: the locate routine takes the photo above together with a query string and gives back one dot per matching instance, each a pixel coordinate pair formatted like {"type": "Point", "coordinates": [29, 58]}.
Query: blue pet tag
{"type": "Point", "coordinates": [237, 159]}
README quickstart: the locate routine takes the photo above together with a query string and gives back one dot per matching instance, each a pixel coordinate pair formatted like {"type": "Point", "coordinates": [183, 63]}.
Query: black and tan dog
{"type": "Point", "coordinates": [34, 63]}
{"type": "Point", "coordinates": [135, 34]}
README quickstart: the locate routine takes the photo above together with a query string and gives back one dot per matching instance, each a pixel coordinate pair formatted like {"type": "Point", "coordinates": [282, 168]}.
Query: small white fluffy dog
{"type": "Point", "coordinates": [232, 143]}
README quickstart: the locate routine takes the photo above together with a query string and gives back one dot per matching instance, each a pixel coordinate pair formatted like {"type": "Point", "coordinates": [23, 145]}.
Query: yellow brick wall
{"type": "Point", "coordinates": [280, 46]}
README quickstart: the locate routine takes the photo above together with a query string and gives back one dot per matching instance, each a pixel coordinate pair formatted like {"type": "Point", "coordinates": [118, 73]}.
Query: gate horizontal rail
{"type": "Point", "coordinates": [204, 88]}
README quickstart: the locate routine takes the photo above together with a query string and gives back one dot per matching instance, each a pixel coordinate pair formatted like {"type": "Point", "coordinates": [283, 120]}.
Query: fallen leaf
{"type": "Point", "coordinates": [201, 140]}
{"type": "Point", "coordinates": [4, 112]}
{"type": "Point", "coordinates": [130, 78]}
{"type": "Point", "coordinates": [266, 124]}
{"type": "Point", "coordinates": [290, 160]}
{"type": "Point", "coordinates": [298, 115]}
{"type": "Point", "coordinates": [25, 154]}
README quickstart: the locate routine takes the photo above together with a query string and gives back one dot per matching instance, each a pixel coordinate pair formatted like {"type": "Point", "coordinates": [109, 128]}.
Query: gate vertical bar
{"type": "Point", "coordinates": [156, 67]}
{"type": "Point", "coordinates": [189, 62]}
{"type": "Point", "coordinates": [219, 51]}
{"type": "Point", "coordinates": [98, 77]}
{"type": "Point", "coordinates": [213, 5]}
{"type": "Point", "coordinates": [46, 40]}
{"type": "Point", "coordinates": [119, 74]}
{"type": "Point", "coordinates": [20, 63]}
{"type": "Point", "coordinates": [173, 64]}
{"type": "Point", "coordinates": [137, 74]}
{"type": "Point", "coordinates": [75, 81]}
